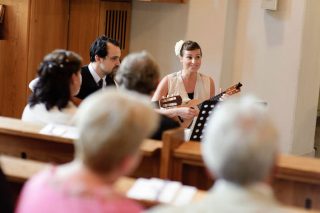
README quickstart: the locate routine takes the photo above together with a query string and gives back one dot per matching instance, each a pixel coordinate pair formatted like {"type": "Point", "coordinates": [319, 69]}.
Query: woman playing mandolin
{"type": "Point", "coordinates": [188, 82]}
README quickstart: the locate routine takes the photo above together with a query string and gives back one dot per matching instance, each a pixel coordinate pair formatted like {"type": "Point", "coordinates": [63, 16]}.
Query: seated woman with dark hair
{"type": "Point", "coordinates": [59, 79]}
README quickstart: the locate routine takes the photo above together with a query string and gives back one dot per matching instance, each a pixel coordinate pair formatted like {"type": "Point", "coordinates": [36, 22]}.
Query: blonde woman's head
{"type": "Point", "coordinates": [112, 125]}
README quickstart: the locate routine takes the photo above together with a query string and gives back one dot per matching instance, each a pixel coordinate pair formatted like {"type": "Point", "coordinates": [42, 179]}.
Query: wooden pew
{"type": "Point", "coordinates": [171, 140]}
{"type": "Point", "coordinates": [188, 166]}
{"type": "Point", "coordinates": [22, 139]}
{"type": "Point", "coordinates": [150, 162]}
{"type": "Point", "coordinates": [296, 180]}
{"type": "Point", "coordinates": [19, 170]}
{"type": "Point", "coordinates": [180, 161]}
{"type": "Point", "coordinates": [176, 158]}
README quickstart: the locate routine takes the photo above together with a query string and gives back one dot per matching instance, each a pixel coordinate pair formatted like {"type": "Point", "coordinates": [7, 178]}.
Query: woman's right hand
{"type": "Point", "coordinates": [187, 112]}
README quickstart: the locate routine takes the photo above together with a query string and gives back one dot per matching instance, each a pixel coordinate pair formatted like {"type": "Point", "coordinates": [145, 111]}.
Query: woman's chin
{"type": "Point", "coordinates": [194, 69]}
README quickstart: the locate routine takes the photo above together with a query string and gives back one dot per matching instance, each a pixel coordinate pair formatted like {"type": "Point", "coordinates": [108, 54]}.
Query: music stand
{"type": "Point", "coordinates": [205, 110]}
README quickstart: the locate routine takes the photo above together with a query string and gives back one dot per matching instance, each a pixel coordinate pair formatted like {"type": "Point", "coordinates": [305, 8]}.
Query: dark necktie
{"type": "Point", "coordinates": [109, 80]}
{"type": "Point", "coordinates": [100, 83]}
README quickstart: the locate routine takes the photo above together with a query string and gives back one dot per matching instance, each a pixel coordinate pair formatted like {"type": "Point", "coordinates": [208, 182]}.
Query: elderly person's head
{"type": "Point", "coordinates": [240, 142]}
{"type": "Point", "coordinates": [112, 125]}
{"type": "Point", "coordinates": [138, 72]}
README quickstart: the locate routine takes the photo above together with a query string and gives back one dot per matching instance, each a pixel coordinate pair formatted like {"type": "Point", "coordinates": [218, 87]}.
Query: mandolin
{"type": "Point", "coordinates": [168, 102]}
{"type": "Point", "coordinates": [215, 99]}
{"type": "Point", "coordinates": [176, 101]}
{"type": "Point", "coordinates": [230, 91]}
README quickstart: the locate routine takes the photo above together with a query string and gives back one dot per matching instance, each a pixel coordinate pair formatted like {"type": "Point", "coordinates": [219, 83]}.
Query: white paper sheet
{"type": "Point", "coordinates": [60, 130]}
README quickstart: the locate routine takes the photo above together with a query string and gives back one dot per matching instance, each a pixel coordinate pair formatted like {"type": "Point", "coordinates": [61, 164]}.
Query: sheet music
{"type": "Point", "coordinates": [169, 191]}
{"type": "Point", "coordinates": [144, 189]}
{"type": "Point", "coordinates": [185, 195]}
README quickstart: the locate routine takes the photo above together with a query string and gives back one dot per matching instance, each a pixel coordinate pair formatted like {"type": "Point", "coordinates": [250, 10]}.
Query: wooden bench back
{"type": "Point", "coordinates": [18, 171]}
{"type": "Point", "coordinates": [22, 139]}
{"type": "Point", "coordinates": [296, 180]}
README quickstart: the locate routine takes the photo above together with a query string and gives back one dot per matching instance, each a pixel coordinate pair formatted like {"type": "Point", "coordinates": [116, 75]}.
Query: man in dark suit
{"type": "Point", "coordinates": [104, 61]}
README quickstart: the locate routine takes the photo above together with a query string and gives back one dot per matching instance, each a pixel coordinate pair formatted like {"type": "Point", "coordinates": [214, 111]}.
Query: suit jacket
{"type": "Point", "coordinates": [89, 85]}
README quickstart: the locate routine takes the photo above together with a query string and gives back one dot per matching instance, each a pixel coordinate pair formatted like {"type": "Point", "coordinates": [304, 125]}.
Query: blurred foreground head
{"type": "Point", "coordinates": [112, 125]}
{"type": "Point", "coordinates": [240, 141]}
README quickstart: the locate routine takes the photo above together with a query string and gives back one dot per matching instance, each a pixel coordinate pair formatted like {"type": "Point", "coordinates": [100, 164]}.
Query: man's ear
{"type": "Point", "coordinates": [96, 58]}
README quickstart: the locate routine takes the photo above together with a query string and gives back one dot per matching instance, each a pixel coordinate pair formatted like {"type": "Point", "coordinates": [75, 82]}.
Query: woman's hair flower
{"type": "Point", "coordinates": [178, 46]}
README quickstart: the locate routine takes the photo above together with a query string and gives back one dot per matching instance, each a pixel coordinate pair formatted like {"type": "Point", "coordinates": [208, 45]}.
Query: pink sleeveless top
{"type": "Point", "coordinates": [40, 195]}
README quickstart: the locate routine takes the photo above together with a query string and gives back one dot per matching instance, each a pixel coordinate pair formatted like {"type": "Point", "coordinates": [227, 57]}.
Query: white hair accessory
{"type": "Point", "coordinates": [178, 46]}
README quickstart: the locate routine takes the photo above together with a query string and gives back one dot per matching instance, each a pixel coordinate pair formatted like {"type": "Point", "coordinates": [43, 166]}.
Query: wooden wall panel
{"type": "Point", "coordinates": [115, 22]}
{"type": "Point", "coordinates": [33, 28]}
{"type": "Point", "coordinates": [13, 57]}
{"type": "Point", "coordinates": [49, 22]}
{"type": "Point", "coordinates": [83, 29]}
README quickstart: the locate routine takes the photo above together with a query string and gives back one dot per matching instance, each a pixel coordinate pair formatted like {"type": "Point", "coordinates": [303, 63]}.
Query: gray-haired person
{"type": "Point", "coordinates": [139, 72]}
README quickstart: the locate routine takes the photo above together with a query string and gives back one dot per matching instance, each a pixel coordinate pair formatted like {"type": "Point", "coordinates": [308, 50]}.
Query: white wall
{"type": "Point", "coordinates": [156, 27]}
{"type": "Point", "coordinates": [267, 58]}
{"type": "Point", "coordinates": [275, 54]}
{"type": "Point", "coordinates": [309, 80]}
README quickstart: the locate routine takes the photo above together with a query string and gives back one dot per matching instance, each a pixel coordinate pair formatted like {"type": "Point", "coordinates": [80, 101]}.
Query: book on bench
{"type": "Point", "coordinates": [161, 191]}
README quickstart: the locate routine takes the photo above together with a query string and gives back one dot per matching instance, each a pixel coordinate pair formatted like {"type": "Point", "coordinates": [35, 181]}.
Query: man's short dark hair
{"type": "Point", "coordinates": [99, 47]}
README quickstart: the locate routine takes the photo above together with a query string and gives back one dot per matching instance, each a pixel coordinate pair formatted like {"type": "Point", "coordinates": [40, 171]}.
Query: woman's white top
{"type": "Point", "coordinates": [39, 114]}
{"type": "Point", "coordinates": [176, 86]}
